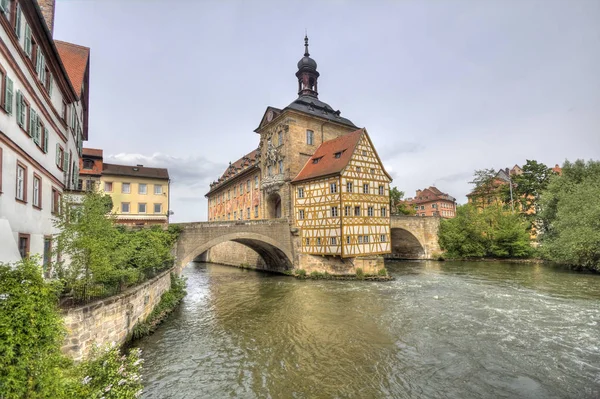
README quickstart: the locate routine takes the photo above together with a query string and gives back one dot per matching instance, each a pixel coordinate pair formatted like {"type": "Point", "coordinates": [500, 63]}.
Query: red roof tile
{"type": "Point", "coordinates": [75, 59]}
{"type": "Point", "coordinates": [92, 152]}
{"type": "Point", "coordinates": [246, 160]}
{"type": "Point", "coordinates": [327, 163]}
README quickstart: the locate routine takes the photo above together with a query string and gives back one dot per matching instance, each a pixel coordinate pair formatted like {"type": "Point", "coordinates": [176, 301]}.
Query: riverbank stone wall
{"type": "Point", "coordinates": [111, 319]}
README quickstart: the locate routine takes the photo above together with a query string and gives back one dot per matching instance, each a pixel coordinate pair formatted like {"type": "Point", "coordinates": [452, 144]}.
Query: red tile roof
{"type": "Point", "coordinates": [241, 163]}
{"type": "Point", "coordinates": [93, 152]}
{"type": "Point", "coordinates": [75, 58]}
{"type": "Point", "coordinates": [431, 194]}
{"type": "Point", "coordinates": [327, 163]}
{"type": "Point", "coordinates": [136, 171]}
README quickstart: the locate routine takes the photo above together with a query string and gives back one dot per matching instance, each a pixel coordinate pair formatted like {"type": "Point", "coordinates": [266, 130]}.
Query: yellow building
{"type": "Point", "coordinates": [341, 199]}
{"type": "Point", "coordinates": [140, 194]}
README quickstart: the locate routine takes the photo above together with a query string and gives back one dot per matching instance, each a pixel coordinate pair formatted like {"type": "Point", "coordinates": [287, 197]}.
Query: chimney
{"type": "Point", "coordinates": [48, 8]}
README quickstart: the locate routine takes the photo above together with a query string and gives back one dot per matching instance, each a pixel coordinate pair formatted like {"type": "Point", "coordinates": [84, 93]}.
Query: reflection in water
{"type": "Point", "coordinates": [449, 329]}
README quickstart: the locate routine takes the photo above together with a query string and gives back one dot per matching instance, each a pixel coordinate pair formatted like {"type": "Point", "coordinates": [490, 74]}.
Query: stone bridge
{"type": "Point", "coordinates": [414, 237]}
{"type": "Point", "coordinates": [270, 239]}
{"type": "Point", "coordinates": [276, 242]}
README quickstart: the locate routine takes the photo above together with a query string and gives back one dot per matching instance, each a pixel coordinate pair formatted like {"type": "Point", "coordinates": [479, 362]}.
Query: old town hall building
{"type": "Point", "coordinates": [317, 169]}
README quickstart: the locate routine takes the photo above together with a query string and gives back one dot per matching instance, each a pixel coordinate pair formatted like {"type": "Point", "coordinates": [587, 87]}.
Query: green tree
{"type": "Point", "coordinates": [570, 216]}
{"type": "Point", "coordinates": [486, 188]}
{"type": "Point", "coordinates": [528, 186]}
{"type": "Point", "coordinates": [92, 245]}
{"type": "Point", "coordinates": [491, 232]}
{"type": "Point", "coordinates": [397, 204]}
{"type": "Point", "coordinates": [31, 333]}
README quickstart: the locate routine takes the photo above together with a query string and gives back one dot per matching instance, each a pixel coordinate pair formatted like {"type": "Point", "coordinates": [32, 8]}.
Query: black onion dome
{"type": "Point", "coordinates": [307, 63]}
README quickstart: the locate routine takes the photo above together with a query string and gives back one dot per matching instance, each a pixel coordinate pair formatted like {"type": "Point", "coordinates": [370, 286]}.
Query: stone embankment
{"type": "Point", "coordinates": [111, 319]}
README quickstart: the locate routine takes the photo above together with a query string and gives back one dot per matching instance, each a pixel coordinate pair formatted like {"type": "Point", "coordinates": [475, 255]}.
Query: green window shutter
{"type": "Point", "coordinates": [19, 106]}
{"type": "Point", "coordinates": [32, 122]}
{"type": "Point", "coordinates": [66, 162]}
{"type": "Point", "coordinates": [8, 96]}
{"type": "Point", "coordinates": [38, 131]}
{"type": "Point", "coordinates": [38, 63]}
{"type": "Point", "coordinates": [4, 6]}
{"type": "Point", "coordinates": [45, 148]}
{"type": "Point", "coordinates": [27, 43]}
{"type": "Point", "coordinates": [50, 84]}
{"type": "Point", "coordinates": [18, 21]}
{"type": "Point", "coordinates": [76, 178]}
{"type": "Point", "coordinates": [58, 155]}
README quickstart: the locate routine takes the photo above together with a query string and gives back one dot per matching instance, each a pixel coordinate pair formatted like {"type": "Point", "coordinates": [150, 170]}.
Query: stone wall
{"type": "Point", "coordinates": [234, 254]}
{"type": "Point", "coordinates": [111, 319]}
{"type": "Point", "coordinates": [338, 266]}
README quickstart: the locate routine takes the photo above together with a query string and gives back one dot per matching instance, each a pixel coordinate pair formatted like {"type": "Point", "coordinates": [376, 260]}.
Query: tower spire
{"type": "Point", "coordinates": [306, 53]}
{"type": "Point", "coordinates": [307, 73]}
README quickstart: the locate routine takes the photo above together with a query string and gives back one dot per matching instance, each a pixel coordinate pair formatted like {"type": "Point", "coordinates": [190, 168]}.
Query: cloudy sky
{"type": "Point", "coordinates": [443, 87]}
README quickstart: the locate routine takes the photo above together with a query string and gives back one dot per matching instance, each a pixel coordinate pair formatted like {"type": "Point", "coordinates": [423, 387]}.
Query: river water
{"type": "Point", "coordinates": [439, 330]}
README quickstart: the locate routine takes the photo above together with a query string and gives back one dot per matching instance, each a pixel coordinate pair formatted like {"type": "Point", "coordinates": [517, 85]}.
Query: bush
{"type": "Point", "coordinates": [31, 333]}
{"type": "Point", "coordinates": [382, 272]}
{"type": "Point", "coordinates": [360, 274]}
{"type": "Point", "coordinates": [107, 375]}
{"type": "Point", "coordinates": [300, 273]}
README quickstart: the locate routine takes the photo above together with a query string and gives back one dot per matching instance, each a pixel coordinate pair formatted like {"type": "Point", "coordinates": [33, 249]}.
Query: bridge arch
{"type": "Point", "coordinates": [405, 245]}
{"type": "Point", "coordinates": [275, 257]}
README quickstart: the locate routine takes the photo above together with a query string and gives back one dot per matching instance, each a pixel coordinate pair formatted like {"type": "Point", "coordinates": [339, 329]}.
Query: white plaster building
{"type": "Point", "coordinates": [43, 122]}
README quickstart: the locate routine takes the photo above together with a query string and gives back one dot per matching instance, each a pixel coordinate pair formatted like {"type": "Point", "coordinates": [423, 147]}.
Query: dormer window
{"type": "Point", "coordinates": [316, 160]}
{"type": "Point", "coordinates": [338, 154]}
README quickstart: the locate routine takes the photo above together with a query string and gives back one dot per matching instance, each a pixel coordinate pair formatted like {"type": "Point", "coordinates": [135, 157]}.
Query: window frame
{"type": "Point", "coordinates": [27, 237]}
{"type": "Point", "coordinates": [160, 191]}
{"type": "Point", "coordinates": [106, 185]}
{"type": "Point", "coordinates": [310, 137]}
{"type": "Point", "coordinates": [55, 204]}
{"type": "Point", "coordinates": [23, 182]}
{"type": "Point", "coordinates": [123, 184]}
{"type": "Point", "coordinates": [37, 178]}
{"type": "Point", "coordinates": [140, 185]}
{"type": "Point", "coordinates": [140, 208]}
{"type": "Point", "coordinates": [128, 207]}
{"type": "Point", "coordinates": [159, 208]}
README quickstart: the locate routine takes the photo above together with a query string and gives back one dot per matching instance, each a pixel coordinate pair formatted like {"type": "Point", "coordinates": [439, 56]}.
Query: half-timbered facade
{"type": "Point", "coordinates": [341, 199]}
